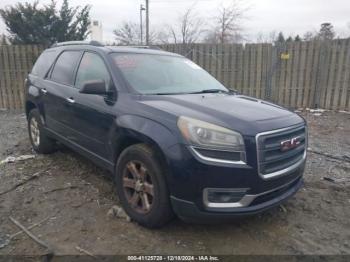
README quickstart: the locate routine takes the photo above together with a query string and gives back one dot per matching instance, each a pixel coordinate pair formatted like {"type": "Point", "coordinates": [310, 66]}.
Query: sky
{"type": "Point", "coordinates": [264, 16]}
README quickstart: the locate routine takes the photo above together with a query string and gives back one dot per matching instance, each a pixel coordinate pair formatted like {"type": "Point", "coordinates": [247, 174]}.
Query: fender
{"type": "Point", "coordinates": [33, 97]}
{"type": "Point", "coordinates": [141, 129]}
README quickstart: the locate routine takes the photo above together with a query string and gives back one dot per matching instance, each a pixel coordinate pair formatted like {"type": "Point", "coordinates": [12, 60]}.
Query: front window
{"type": "Point", "coordinates": [91, 68]}
{"type": "Point", "coordinates": [163, 74]}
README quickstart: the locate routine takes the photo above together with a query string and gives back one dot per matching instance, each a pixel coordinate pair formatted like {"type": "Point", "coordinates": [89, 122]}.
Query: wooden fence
{"type": "Point", "coordinates": [299, 74]}
{"type": "Point", "coordinates": [15, 63]}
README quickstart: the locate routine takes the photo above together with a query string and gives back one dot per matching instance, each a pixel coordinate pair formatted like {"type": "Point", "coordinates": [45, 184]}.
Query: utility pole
{"type": "Point", "coordinates": [141, 25]}
{"type": "Point", "coordinates": [147, 22]}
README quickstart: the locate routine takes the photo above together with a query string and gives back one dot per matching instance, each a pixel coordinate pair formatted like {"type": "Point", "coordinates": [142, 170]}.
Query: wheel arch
{"type": "Point", "coordinates": [135, 130]}
{"type": "Point", "coordinates": [29, 107]}
{"type": "Point", "coordinates": [131, 137]}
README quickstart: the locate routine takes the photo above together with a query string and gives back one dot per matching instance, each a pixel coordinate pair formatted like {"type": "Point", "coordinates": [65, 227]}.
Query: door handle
{"type": "Point", "coordinates": [70, 100]}
{"type": "Point", "coordinates": [43, 90]}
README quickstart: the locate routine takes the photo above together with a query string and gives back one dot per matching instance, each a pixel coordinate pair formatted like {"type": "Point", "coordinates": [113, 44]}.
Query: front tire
{"type": "Point", "coordinates": [141, 186]}
{"type": "Point", "coordinates": [41, 143]}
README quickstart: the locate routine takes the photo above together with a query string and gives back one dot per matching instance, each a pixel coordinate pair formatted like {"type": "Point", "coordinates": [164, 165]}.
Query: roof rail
{"type": "Point", "coordinates": [92, 42]}
{"type": "Point", "coordinates": [141, 47]}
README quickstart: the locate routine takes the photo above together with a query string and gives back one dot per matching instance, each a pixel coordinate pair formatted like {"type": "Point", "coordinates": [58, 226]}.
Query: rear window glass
{"type": "Point", "coordinates": [43, 63]}
{"type": "Point", "coordinates": [63, 72]}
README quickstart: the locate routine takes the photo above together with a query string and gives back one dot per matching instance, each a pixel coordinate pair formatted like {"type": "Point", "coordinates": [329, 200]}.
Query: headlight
{"type": "Point", "coordinates": [203, 134]}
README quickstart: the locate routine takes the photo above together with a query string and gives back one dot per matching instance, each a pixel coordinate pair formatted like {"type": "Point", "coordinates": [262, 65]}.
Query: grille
{"type": "Point", "coordinates": [272, 161]}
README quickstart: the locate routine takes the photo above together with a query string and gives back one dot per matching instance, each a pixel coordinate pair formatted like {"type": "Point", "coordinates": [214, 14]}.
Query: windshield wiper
{"type": "Point", "coordinates": [165, 93]}
{"type": "Point", "coordinates": [207, 91]}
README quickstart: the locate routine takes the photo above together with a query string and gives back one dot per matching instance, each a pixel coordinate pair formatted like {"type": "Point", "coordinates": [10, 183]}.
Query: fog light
{"type": "Point", "coordinates": [224, 195]}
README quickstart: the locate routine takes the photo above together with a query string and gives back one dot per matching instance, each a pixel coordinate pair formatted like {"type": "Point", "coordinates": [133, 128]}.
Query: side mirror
{"type": "Point", "coordinates": [94, 87]}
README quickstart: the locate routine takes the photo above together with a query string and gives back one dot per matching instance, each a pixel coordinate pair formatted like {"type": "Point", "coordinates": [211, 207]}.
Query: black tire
{"type": "Point", "coordinates": [147, 162]}
{"type": "Point", "coordinates": [45, 144]}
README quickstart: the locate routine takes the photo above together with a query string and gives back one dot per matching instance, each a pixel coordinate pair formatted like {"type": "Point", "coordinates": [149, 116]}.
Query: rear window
{"type": "Point", "coordinates": [63, 71]}
{"type": "Point", "coordinates": [43, 63]}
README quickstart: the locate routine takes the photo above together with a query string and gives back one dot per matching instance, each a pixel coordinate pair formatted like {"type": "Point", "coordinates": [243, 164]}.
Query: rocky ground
{"type": "Point", "coordinates": [72, 199]}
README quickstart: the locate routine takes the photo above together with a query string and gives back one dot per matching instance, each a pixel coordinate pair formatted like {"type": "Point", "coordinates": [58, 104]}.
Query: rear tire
{"type": "Point", "coordinates": [41, 143]}
{"type": "Point", "coordinates": [141, 186]}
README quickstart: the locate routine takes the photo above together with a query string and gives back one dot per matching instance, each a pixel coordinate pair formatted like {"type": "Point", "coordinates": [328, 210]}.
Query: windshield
{"type": "Point", "coordinates": [162, 74]}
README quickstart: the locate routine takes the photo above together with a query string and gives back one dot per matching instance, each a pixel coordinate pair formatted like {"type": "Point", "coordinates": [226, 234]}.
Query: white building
{"type": "Point", "coordinates": [96, 30]}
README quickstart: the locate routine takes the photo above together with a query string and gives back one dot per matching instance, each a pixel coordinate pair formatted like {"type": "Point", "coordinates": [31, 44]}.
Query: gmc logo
{"type": "Point", "coordinates": [290, 144]}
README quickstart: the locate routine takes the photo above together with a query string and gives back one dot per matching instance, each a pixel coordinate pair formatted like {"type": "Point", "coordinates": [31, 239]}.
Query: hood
{"type": "Point", "coordinates": [237, 112]}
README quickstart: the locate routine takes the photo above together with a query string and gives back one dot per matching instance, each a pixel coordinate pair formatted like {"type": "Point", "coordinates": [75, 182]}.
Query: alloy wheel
{"type": "Point", "coordinates": [34, 131]}
{"type": "Point", "coordinates": [138, 186]}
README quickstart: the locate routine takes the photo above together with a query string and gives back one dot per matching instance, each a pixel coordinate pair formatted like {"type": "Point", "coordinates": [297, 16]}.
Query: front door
{"type": "Point", "coordinates": [93, 114]}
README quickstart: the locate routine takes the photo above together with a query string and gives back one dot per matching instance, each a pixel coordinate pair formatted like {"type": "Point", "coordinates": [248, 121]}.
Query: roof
{"type": "Point", "coordinates": [92, 43]}
{"type": "Point", "coordinates": [119, 49]}
{"type": "Point", "coordinates": [139, 50]}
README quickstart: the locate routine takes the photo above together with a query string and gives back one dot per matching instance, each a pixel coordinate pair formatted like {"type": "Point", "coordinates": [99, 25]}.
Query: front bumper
{"type": "Point", "coordinates": [189, 178]}
{"type": "Point", "coordinates": [189, 211]}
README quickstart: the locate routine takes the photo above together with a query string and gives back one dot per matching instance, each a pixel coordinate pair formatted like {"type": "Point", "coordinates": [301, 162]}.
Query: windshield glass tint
{"type": "Point", "coordinates": [162, 74]}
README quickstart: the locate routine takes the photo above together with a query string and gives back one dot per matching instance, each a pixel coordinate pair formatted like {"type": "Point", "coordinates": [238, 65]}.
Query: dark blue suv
{"type": "Point", "coordinates": [174, 138]}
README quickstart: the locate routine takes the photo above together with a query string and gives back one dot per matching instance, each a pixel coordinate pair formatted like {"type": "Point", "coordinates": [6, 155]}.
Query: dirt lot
{"type": "Point", "coordinates": [74, 197]}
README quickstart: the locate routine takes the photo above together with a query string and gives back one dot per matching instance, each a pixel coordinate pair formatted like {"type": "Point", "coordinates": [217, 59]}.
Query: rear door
{"type": "Point", "coordinates": [93, 115]}
{"type": "Point", "coordinates": [37, 76]}
{"type": "Point", "coordinates": [58, 97]}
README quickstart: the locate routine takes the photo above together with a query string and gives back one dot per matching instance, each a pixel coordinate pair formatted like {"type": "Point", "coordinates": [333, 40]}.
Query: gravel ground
{"type": "Point", "coordinates": [73, 198]}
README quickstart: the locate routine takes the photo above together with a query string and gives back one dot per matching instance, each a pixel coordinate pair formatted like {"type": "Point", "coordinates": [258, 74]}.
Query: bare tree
{"type": "Point", "coordinates": [162, 36]}
{"type": "Point", "coordinates": [326, 32]}
{"type": "Point", "coordinates": [211, 37]}
{"type": "Point", "coordinates": [127, 34]}
{"type": "Point", "coordinates": [189, 28]}
{"type": "Point", "coordinates": [273, 36]}
{"type": "Point", "coordinates": [156, 37]}
{"type": "Point", "coordinates": [228, 23]}
{"type": "Point", "coordinates": [267, 38]}
{"type": "Point", "coordinates": [308, 36]}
